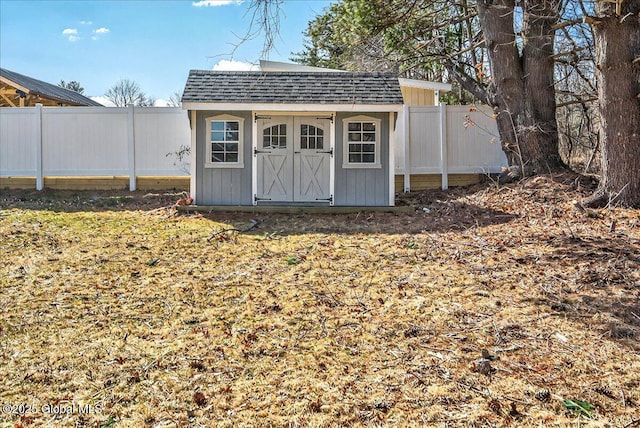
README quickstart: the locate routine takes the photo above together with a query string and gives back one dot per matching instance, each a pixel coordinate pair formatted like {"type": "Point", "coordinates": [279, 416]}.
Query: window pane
{"type": "Point", "coordinates": [233, 126]}
{"type": "Point", "coordinates": [231, 147]}
{"type": "Point", "coordinates": [303, 142]}
{"type": "Point", "coordinates": [355, 158]}
{"type": "Point", "coordinates": [368, 158]}
{"type": "Point", "coordinates": [217, 125]}
{"type": "Point", "coordinates": [217, 147]}
{"type": "Point", "coordinates": [266, 141]}
{"type": "Point", "coordinates": [319, 131]}
{"type": "Point", "coordinates": [368, 126]}
{"type": "Point", "coordinates": [368, 148]}
{"type": "Point", "coordinates": [355, 148]}
{"type": "Point", "coordinates": [267, 132]}
{"type": "Point", "coordinates": [320, 143]}
{"type": "Point", "coordinates": [369, 136]}
{"type": "Point", "coordinates": [304, 129]}
{"type": "Point", "coordinates": [232, 157]}
{"type": "Point", "coordinates": [217, 136]}
{"type": "Point", "coordinates": [217, 157]}
{"type": "Point", "coordinates": [283, 129]}
{"type": "Point", "coordinates": [355, 126]}
{"type": "Point", "coordinates": [232, 136]}
{"type": "Point", "coordinates": [354, 136]}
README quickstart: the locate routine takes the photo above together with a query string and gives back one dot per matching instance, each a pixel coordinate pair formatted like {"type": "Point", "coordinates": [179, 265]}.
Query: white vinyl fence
{"type": "Point", "coordinates": [447, 140]}
{"type": "Point", "coordinates": [92, 141]}
{"type": "Point", "coordinates": [142, 141]}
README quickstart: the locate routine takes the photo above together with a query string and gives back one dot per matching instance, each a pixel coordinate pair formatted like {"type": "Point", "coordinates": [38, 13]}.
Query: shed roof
{"type": "Point", "coordinates": [291, 87]}
{"type": "Point", "coordinates": [44, 89]}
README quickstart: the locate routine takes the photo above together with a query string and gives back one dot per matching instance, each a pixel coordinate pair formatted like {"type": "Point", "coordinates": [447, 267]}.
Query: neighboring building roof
{"type": "Point", "coordinates": [291, 87]}
{"type": "Point", "coordinates": [425, 84]}
{"type": "Point", "coordinates": [287, 66]}
{"type": "Point", "coordinates": [37, 87]}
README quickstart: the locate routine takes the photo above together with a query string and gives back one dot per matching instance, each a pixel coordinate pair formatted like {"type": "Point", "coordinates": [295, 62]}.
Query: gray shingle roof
{"type": "Point", "coordinates": [291, 87]}
{"type": "Point", "coordinates": [38, 87]}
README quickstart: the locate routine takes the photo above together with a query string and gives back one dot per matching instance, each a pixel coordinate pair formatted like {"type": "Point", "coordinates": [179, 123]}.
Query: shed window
{"type": "Point", "coordinates": [275, 137]}
{"type": "Point", "coordinates": [224, 146]}
{"type": "Point", "coordinates": [311, 137]}
{"type": "Point", "coordinates": [362, 143]}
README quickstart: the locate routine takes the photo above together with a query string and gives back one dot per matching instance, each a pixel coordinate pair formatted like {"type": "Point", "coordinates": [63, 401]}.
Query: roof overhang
{"type": "Point", "coordinates": [370, 108]}
{"type": "Point", "coordinates": [14, 84]}
{"type": "Point", "coordinates": [424, 84]}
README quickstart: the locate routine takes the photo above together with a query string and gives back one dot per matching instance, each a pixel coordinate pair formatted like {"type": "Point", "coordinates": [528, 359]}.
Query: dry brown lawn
{"type": "Point", "coordinates": [495, 306]}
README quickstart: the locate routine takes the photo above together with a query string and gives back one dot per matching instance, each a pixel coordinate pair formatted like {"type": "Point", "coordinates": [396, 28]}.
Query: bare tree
{"type": "Point", "coordinates": [175, 99]}
{"type": "Point", "coordinates": [127, 92]}
{"type": "Point", "coordinates": [264, 20]}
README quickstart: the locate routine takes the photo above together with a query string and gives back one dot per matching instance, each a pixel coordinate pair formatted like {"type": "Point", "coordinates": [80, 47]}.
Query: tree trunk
{"type": "Point", "coordinates": [522, 90]}
{"type": "Point", "coordinates": [617, 42]}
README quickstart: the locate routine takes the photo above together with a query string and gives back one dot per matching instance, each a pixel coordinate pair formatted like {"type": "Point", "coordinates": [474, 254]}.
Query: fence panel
{"type": "Point", "coordinates": [84, 141]}
{"type": "Point", "coordinates": [18, 142]}
{"type": "Point", "coordinates": [473, 144]}
{"type": "Point", "coordinates": [160, 132]}
{"type": "Point", "coordinates": [424, 135]}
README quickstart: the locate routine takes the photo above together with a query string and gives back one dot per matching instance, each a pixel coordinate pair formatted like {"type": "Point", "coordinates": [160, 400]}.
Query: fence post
{"type": "Point", "coordinates": [444, 167]}
{"type": "Point", "coordinates": [132, 147]}
{"type": "Point", "coordinates": [406, 111]}
{"type": "Point", "coordinates": [39, 174]}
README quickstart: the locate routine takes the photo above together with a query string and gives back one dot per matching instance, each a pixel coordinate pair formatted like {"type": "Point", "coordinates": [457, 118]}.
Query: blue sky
{"type": "Point", "coordinates": [153, 42]}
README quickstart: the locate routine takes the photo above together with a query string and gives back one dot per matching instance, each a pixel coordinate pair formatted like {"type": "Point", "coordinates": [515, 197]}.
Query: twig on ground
{"type": "Point", "coordinates": [252, 224]}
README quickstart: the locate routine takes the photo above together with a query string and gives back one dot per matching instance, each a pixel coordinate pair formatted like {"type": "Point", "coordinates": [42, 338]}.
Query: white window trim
{"type": "Point", "coordinates": [345, 142]}
{"type": "Point", "coordinates": [208, 163]}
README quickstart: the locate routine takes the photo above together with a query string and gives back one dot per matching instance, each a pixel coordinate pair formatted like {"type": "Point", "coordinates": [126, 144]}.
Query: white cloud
{"type": "Point", "coordinates": [71, 34]}
{"type": "Point", "coordinates": [231, 65]}
{"type": "Point", "coordinates": [101, 30]}
{"type": "Point", "coordinates": [214, 3]}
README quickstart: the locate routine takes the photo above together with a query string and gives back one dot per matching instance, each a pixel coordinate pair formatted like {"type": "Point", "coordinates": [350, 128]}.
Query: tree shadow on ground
{"type": "Point", "coordinates": [602, 277]}
{"type": "Point", "coordinates": [435, 211]}
{"type": "Point", "coordinates": [87, 200]}
{"type": "Point", "coordinates": [452, 216]}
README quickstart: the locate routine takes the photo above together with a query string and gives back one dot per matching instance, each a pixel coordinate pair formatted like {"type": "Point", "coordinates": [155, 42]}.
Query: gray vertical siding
{"type": "Point", "coordinates": [360, 186]}
{"type": "Point", "coordinates": [222, 186]}
{"type": "Point", "coordinates": [232, 186]}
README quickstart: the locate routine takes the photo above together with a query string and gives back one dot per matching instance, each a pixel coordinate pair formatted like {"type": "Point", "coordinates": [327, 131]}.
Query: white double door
{"type": "Point", "coordinates": [293, 156]}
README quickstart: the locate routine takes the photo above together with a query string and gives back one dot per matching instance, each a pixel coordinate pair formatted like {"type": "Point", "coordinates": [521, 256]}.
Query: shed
{"type": "Point", "coordinates": [18, 90]}
{"type": "Point", "coordinates": [292, 137]}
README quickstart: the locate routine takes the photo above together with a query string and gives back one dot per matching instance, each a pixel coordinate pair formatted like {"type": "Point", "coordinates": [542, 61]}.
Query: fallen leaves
{"type": "Point", "coordinates": [491, 307]}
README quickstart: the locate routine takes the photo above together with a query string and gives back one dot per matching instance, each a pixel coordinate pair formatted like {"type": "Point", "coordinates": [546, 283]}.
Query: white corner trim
{"type": "Point", "coordinates": [254, 159]}
{"type": "Point", "coordinates": [332, 160]}
{"type": "Point", "coordinates": [193, 167]}
{"type": "Point", "coordinates": [392, 169]}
